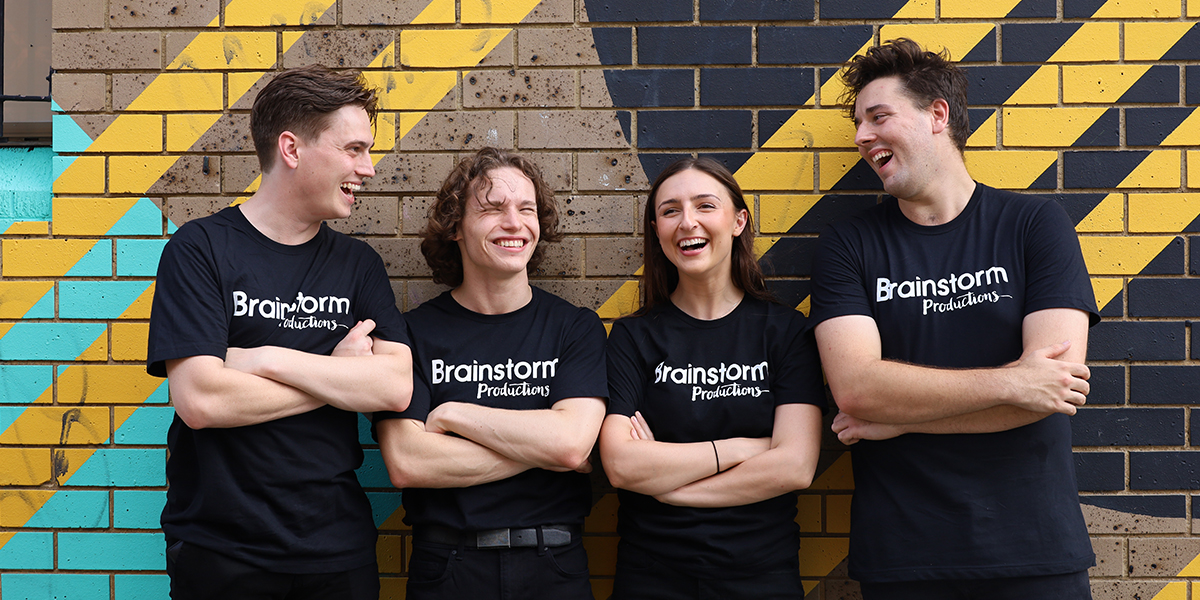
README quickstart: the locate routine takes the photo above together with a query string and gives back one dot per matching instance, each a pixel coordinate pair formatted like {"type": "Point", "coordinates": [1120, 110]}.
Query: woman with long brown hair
{"type": "Point", "coordinates": [715, 404]}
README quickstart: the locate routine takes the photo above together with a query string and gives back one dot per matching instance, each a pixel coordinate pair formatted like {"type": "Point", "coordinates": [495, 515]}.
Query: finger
{"type": "Point", "coordinates": [839, 426]}
{"type": "Point", "coordinates": [847, 438]}
{"type": "Point", "coordinates": [1054, 350]}
{"type": "Point", "coordinates": [363, 327]}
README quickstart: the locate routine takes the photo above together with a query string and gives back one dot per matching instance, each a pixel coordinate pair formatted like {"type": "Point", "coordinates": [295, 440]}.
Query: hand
{"type": "Point", "coordinates": [852, 429]}
{"type": "Point", "coordinates": [358, 341]}
{"type": "Point", "coordinates": [439, 418]}
{"type": "Point", "coordinates": [1045, 384]}
{"type": "Point", "coordinates": [640, 431]}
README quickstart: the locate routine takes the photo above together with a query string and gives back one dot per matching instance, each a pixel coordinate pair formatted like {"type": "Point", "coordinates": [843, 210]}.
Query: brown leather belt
{"type": "Point", "coordinates": [553, 536]}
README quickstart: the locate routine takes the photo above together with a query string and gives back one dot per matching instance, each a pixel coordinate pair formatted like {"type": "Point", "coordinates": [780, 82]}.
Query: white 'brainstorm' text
{"type": "Point", "coordinates": [441, 372]}
{"type": "Point", "coordinates": [243, 306]}
{"type": "Point", "coordinates": [726, 377]}
{"type": "Point", "coordinates": [886, 289]}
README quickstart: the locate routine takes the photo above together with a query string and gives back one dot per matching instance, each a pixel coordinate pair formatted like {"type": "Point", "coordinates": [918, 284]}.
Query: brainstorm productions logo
{"type": "Point", "coordinates": [954, 291]}
{"type": "Point", "coordinates": [296, 315]}
{"type": "Point", "coordinates": [500, 372]}
{"type": "Point", "coordinates": [727, 378]}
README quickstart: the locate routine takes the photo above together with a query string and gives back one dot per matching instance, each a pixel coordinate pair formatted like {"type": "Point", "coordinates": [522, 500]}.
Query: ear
{"type": "Point", "coordinates": [289, 149]}
{"type": "Point", "coordinates": [940, 111]}
{"type": "Point", "coordinates": [740, 220]}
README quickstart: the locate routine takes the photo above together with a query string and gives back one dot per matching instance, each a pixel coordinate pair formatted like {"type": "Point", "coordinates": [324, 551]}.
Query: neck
{"type": "Point", "coordinates": [271, 211]}
{"type": "Point", "coordinates": [493, 296]}
{"type": "Point", "coordinates": [945, 198]}
{"type": "Point", "coordinates": [707, 299]}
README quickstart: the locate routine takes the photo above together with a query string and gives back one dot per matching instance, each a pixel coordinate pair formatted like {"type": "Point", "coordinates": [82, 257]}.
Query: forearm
{"type": "Point", "coordinates": [559, 438]}
{"type": "Point", "coordinates": [206, 394]}
{"type": "Point", "coordinates": [765, 476]}
{"type": "Point", "coordinates": [416, 458]}
{"type": "Point", "coordinates": [355, 383]}
{"type": "Point", "coordinates": [990, 420]}
{"type": "Point", "coordinates": [885, 391]}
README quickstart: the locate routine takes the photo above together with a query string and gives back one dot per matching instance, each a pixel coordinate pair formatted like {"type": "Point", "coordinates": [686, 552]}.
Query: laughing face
{"type": "Point", "coordinates": [896, 137]}
{"type": "Point", "coordinates": [333, 166]}
{"type": "Point", "coordinates": [499, 228]}
{"type": "Point", "coordinates": [696, 222]}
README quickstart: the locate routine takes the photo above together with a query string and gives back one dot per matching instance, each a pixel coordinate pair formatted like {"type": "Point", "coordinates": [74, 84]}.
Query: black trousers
{"type": "Point", "coordinates": [640, 576]}
{"type": "Point", "coordinates": [201, 574]}
{"type": "Point", "coordinates": [1072, 586]}
{"type": "Point", "coordinates": [447, 572]}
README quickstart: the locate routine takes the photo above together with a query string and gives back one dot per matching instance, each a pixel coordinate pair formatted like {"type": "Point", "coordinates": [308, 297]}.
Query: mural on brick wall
{"type": "Point", "coordinates": [1088, 101]}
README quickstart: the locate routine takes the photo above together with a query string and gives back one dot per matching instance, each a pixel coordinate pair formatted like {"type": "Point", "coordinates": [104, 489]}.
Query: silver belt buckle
{"type": "Point", "coordinates": [495, 538]}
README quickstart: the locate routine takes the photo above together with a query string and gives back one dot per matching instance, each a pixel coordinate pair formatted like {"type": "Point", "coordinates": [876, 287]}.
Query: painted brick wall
{"type": "Point", "coordinates": [1091, 102]}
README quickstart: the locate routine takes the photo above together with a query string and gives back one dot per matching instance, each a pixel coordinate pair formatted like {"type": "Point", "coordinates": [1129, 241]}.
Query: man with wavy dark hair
{"type": "Point", "coordinates": [274, 331]}
{"type": "Point", "coordinates": [952, 321]}
{"type": "Point", "coordinates": [509, 392]}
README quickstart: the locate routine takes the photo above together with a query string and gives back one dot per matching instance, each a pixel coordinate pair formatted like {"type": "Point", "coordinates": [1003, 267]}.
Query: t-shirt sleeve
{"type": "Point", "coordinates": [422, 393]}
{"type": "Point", "coordinates": [1056, 276]}
{"type": "Point", "coordinates": [379, 302]}
{"type": "Point", "coordinates": [580, 369]}
{"type": "Point", "coordinates": [838, 287]}
{"type": "Point", "coordinates": [626, 383]}
{"type": "Point", "coordinates": [188, 315]}
{"type": "Point", "coordinates": [798, 380]}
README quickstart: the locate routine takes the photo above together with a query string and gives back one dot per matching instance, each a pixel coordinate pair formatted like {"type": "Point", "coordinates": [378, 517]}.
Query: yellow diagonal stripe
{"type": "Point", "coordinates": [448, 48]}
{"type": "Point", "coordinates": [1092, 42]}
{"type": "Point", "coordinates": [974, 9]}
{"type": "Point", "coordinates": [1150, 41]}
{"type": "Point", "coordinates": [56, 425]}
{"type": "Point", "coordinates": [1159, 170]}
{"type": "Point", "coordinates": [1105, 289]}
{"type": "Point", "coordinates": [248, 13]}
{"type": "Point", "coordinates": [1008, 169]}
{"type": "Point", "coordinates": [1121, 255]}
{"type": "Point", "coordinates": [1040, 88]}
{"type": "Point", "coordinates": [436, 12]}
{"type": "Point", "coordinates": [1162, 213]}
{"type": "Point", "coordinates": [17, 297]}
{"type": "Point", "coordinates": [1057, 126]}
{"type": "Point", "coordinates": [105, 384]}
{"type": "Point", "coordinates": [814, 128]}
{"type": "Point", "coordinates": [1187, 133]}
{"type": "Point", "coordinates": [88, 216]}
{"type": "Point", "coordinates": [1175, 590]}
{"type": "Point", "coordinates": [1138, 9]}
{"type": "Point", "coordinates": [777, 171]}
{"type": "Point", "coordinates": [43, 258]}
{"type": "Point", "coordinates": [220, 50]}
{"type": "Point", "coordinates": [490, 11]}
{"type": "Point", "coordinates": [1107, 217]}
{"type": "Point", "coordinates": [1099, 84]}
{"type": "Point", "coordinates": [958, 39]}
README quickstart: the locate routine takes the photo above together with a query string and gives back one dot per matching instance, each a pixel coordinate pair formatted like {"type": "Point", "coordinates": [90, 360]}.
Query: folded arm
{"type": "Point", "coordinates": [416, 457]}
{"type": "Point", "coordinates": [208, 394]}
{"type": "Point", "coordinates": [635, 461]}
{"type": "Point", "coordinates": [1050, 377]}
{"type": "Point", "coordinates": [787, 466]}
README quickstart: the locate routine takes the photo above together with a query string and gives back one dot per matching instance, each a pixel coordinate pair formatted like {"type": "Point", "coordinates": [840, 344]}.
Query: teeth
{"type": "Point", "coordinates": [353, 187]}
{"type": "Point", "coordinates": [692, 243]}
{"type": "Point", "coordinates": [882, 155]}
{"type": "Point", "coordinates": [512, 243]}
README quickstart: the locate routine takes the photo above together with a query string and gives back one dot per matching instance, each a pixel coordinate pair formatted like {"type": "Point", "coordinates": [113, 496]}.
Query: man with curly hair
{"type": "Point", "coordinates": [952, 322]}
{"type": "Point", "coordinates": [509, 393]}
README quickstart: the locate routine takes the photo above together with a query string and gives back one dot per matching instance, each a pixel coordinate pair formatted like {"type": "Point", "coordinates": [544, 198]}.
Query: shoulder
{"type": "Point", "coordinates": [559, 308]}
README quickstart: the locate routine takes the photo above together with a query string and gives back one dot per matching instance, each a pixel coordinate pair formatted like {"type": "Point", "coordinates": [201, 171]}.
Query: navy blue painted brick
{"type": "Point", "coordinates": [1033, 9]}
{"type": "Point", "coordinates": [769, 121]}
{"type": "Point", "coordinates": [1169, 261]}
{"type": "Point", "coordinates": [1164, 384]}
{"type": "Point", "coordinates": [756, 10]}
{"type": "Point", "coordinates": [1164, 470]}
{"type": "Point", "coordinates": [1164, 297]}
{"type": "Point", "coordinates": [790, 291]}
{"type": "Point", "coordinates": [1187, 48]}
{"type": "Point", "coordinates": [1100, 168]}
{"type": "Point", "coordinates": [1194, 254]}
{"type": "Point", "coordinates": [1167, 507]}
{"type": "Point", "coordinates": [778, 86]}
{"type": "Point", "coordinates": [1100, 471]}
{"type": "Point", "coordinates": [653, 164]}
{"type": "Point", "coordinates": [730, 160]}
{"type": "Point", "coordinates": [1078, 206]}
{"type": "Point", "coordinates": [860, 177]}
{"type": "Point", "coordinates": [650, 87]}
{"type": "Point", "coordinates": [790, 257]}
{"type": "Point", "coordinates": [832, 207]}
{"type": "Point", "coordinates": [1150, 126]}
{"type": "Point", "coordinates": [860, 9]}
{"type": "Point", "coordinates": [614, 45]}
{"type": "Point", "coordinates": [810, 45]}
{"type": "Point", "coordinates": [639, 10]}
{"type": "Point", "coordinates": [1035, 42]}
{"type": "Point", "coordinates": [987, 85]}
{"type": "Point", "coordinates": [1126, 426]}
{"type": "Point", "coordinates": [1106, 131]}
{"type": "Point", "coordinates": [1137, 340]}
{"type": "Point", "coordinates": [694, 128]}
{"type": "Point", "coordinates": [1107, 385]}
{"type": "Point", "coordinates": [1192, 74]}
{"type": "Point", "coordinates": [693, 45]}
{"type": "Point", "coordinates": [1073, 9]}
{"type": "Point", "coordinates": [1159, 84]}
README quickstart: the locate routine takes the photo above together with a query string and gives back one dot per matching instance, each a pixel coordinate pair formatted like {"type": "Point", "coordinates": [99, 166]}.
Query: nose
{"type": "Point", "coordinates": [366, 166]}
{"type": "Point", "coordinates": [863, 134]}
{"type": "Point", "coordinates": [511, 220]}
{"type": "Point", "coordinates": [687, 218]}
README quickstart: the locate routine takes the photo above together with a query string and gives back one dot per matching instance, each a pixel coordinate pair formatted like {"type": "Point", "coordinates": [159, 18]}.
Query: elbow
{"type": "Point", "coordinates": [800, 481]}
{"type": "Point", "coordinates": [849, 399]}
{"type": "Point", "coordinates": [398, 400]}
{"type": "Point", "coordinates": [193, 412]}
{"type": "Point", "coordinates": [571, 455]}
{"type": "Point", "coordinates": [401, 476]}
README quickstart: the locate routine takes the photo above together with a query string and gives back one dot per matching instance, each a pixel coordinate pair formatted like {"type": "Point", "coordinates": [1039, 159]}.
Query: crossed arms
{"type": "Point", "coordinates": [256, 385]}
{"type": "Point", "coordinates": [880, 399]}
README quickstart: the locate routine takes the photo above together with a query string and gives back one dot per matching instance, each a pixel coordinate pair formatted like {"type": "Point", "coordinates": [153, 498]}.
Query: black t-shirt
{"type": "Point", "coordinates": [695, 381]}
{"type": "Point", "coordinates": [528, 359]}
{"type": "Point", "coordinates": [955, 295]}
{"type": "Point", "coordinates": [281, 495]}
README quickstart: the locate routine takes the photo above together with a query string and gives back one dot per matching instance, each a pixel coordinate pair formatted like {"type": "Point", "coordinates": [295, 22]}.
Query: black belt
{"type": "Point", "coordinates": [553, 536]}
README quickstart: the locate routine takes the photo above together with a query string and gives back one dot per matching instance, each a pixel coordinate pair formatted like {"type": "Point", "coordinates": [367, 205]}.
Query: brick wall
{"type": "Point", "coordinates": [1088, 101]}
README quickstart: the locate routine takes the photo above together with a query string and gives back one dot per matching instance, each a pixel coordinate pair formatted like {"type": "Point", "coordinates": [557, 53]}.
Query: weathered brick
{"type": "Point", "coordinates": [157, 14]}
{"type": "Point", "coordinates": [78, 14]}
{"type": "Point", "coordinates": [503, 55]}
{"type": "Point", "coordinates": [238, 171]}
{"type": "Point", "coordinates": [556, 48]}
{"type": "Point", "coordinates": [372, 215]}
{"type": "Point", "coordinates": [414, 213]}
{"type": "Point", "coordinates": [610, 171]}
{"type": "Point", "coordinates": [1164, 470]}
{"type": "Point", "coordinates": [636, 10]}
{"type": "Point", "coordinates": [1127, 427]}
{"type": "Point", "coordinates": [80, 92]}
{"type": "Point", "coordinates": [1108, 385]}
{"type": "Point", "coordinates": [608, 257]}
{"type": "Point", "coordinates": [461, 131]}
{"type": "Point", "coordinates": [694, 45]}
{"type": "Point", "coordinates": [126, 87]}
{"type": "Point", "coordinates": [556, 169]}
{"type": "Point", "coordinates": [562, 259]}
{"type": "Point", "coordinates": [522, 88]}
{"type": "Point", "coordinates": [1100, 471]}
{"type": "Point", "coordinates": [552, 11]}
{"type": "Point", "coordinates": [401, 256]}
{"type": "Point", "coordinates": [755, 10]}
{"type": "Point", "coordinates": [597, 214]}
{"type": "Point", "coordinates": [105, 50]}
{"type": "Point", "coordinates": [411, 172]}
{"type": "Point", "coordinates": [348, 48]}
{"type": "Point", "coordinates": [1110, 557]}
{"type": "Point", "coordinates": [380, 12]}
{"type": "Point", "coordinates": [581, 292]}
{"type": "Point", "coordinates": [180, 210]}
{"type": "Point", "coordinates": [93, 125]}
{"type": "Point", "coordinates": [1135, 514]}
{"type": "Point", "coordinates": [862, 9]}
{"type": "Point", "coordinates": [231, 133]}
{"type": "Point", "coordinates": [1160, 557]}
{"type": "Point", "coordinates": [593, 89]}
{"type": "Point", "coordinates": [1137, 340]}
{"type": "Point", "coordinates": [1104, 589]}
{"type": "Point", "coordinates": [190, 174]}
{"type": "Point", "coordinates": [570, 129]}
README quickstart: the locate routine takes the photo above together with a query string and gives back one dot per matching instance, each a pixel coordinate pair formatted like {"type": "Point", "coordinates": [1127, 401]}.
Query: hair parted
{"type": "Point", "coordinates": [926, 76]}
{"type": "Point", "coordinates": [660, 276]}
{"type": "Point", "coordinates": [470, 177]}
{"type": "Point", "coordinates": [300, 100]}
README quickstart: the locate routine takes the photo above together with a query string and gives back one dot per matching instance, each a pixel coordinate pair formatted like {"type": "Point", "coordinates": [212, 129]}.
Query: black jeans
{"type": "Point", "coordinates": [447, 572]}
{"type": "Point", "coordinates": [640, 576]}
{"type": "Point", "coordinates": [201, 574]}
{"type": "Point", "coordinates": [1072, 586]}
